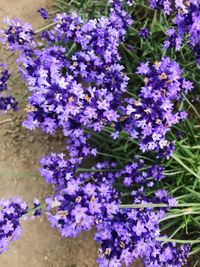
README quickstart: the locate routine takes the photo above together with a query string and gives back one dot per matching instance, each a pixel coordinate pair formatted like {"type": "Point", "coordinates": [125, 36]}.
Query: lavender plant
{"type": "Point", "coordinates": [120, 101]}
{"type": "Point", "coordinates": [7, 102]}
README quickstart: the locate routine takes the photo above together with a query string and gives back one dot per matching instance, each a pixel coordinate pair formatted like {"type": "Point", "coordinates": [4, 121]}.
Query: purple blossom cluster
{"type": "Point", "coordinates": [168, 6]}
{"type": "Point", "coordinates": [85, 200]}
{"type": "Point", "coordinates": [144, 33]}
{"type": "Point", "coordinates": [80, 85]}
{"type": "Point", "coordinates": [11, 211]}
{"type": "Point", "coordinates": [57, 170]}
{"type": "Point", "coordinates": [17, 35]}
{"type": "Point", "coordinates": [75, 86]}
{"type": "Point", "coordinates": [151, 116]}
{"type": "Point", "coordinates": [132, 234]}
{"type": "Point", "coordinates": [186, 25]}
{"type": "Point", "coordinates": [37, 210]}
{"type": "Point", "coordinates": [6, 102]}
{"type": "Point", "coordinates": [43, 13]}
{"type": "Point", "coordinates": [82, 201]}
{"type": "Point", "coordinates": [136, 173]}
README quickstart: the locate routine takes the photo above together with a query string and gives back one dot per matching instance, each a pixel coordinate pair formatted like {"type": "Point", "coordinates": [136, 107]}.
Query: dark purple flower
{"type": "Point", "coordinates": [144, 33]}
{"type": "Point", "coordinates": [43, 13]}
{"type": "Point", "coordinates": [11, 211]}
{"type": "Point", "coordinates": [18, 35]}
{"type": "Point", "coordinates": [131, 234]}
{"type": "Point", "coordinates": [6, 102]}
{"type": "Point", "coordinates": [151, 116]}
{"type": "Point", "coordinates": [186, 25]}
{"type": "Point", "coordinates": [84, 201]}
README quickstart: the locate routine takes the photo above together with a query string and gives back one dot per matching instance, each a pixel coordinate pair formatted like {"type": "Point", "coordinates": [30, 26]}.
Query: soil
{"type": "Point", "coordinates": [20, 152]}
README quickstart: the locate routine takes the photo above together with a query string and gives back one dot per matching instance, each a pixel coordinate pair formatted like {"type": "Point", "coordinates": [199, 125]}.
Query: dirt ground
{"type": "Point", "coordinates": [20, 151]}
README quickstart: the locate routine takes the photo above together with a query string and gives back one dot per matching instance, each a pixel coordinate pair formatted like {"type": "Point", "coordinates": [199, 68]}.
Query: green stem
{"type": "Point", "coordinates": [142, 206]}
{"type": "Point", "coordinates": [192, 147]}
{"type": "Point", "coordinates": [96, 170]}
{"type": "Point", "coordinates": [178, 241]}
{"type": "Point", "coordinates": [175, 232]}
{"type": "Point", "coordinates": [158, 205]}
{"type": "Point", "coordinates": [109, 155]}
{"type": "Point", "coordinates": [46, 27]}
{"type": "Point", "coordinates": [192, 106]}
{"type": "Point", "coordinates": [194, 252]}
{"type": "Point", "coordinates": [184, 166]}
{"type": "Point", "coordinates": [180, 215]}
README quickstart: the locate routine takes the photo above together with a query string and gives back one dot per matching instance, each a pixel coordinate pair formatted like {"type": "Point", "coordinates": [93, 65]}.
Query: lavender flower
{"type": "Point", "coordinates": [83, 88]}
{"type": "Point", "coordinates": [56, 170]}
{"type": "Point", "coordinates": [6, 102]}
{"type": "Point", "coordinates": [37, 208]}
{"type": "Point", "coordinates": [4, 76]}
{"type": "Point", "coordinates": [186, 25]}
{"type": "Point", "coordinates": [11, 211]}
{"type": "Point", "coordinates": [43, 13]}
{"type": "Point", "coordinates": [131, 234]}
{"type": "Point", "coordinates": [144, 33]}
{"type": "Point", "coordinates": [84, 202]}
{"type": "Point", "coordinates": [168, 6]}
{"type": "Point", "coordinates": [17, 35]}
{"type": "Point", "coordinates": [164, 5]}
{"type": "Point", "coordinates": [151, 116]}
{"type": "Point", "coordinates": [135, 173]}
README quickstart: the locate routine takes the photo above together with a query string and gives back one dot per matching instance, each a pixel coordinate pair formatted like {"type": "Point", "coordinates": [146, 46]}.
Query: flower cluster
{"type": "Point", "coordinates": [5, 75]}
{"type": "Point", "coordinates": [161, 5]}
{"type": "Point", "coordinates": [78, 82]}
{"type": "Point", "coordinates": [133, 233]}
{"type": "Point", "coordinates": [43, 13]}
{"type": "Point", "coordinates": [144, 33]}
{"type": "Point", "coordinates": [17, 35]}
{"type": "Point", "coordinates": [84, 89]}
{"type": "Point", "coordinates": [135, 173]}
{"type": "Point", "coordinates": [186, 25]}
{"type": "Point", "coordinates": [168, 6]}
{"type": "Point", "coordinates": [57, 170]}
{"type": "Point", "coordinates": [84, 201]}
{"type": "Point", "coordinates": [37, 210]}
{"type": "Point", "coordinates": [6, 102]}
{"type": "Point", "coordinates": [151, 116]}
{"type": "Point", "coordinates": [11, 211]}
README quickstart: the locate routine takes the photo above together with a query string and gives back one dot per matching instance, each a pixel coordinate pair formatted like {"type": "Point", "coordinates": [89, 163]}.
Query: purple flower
{"type": "Point", "coordinates": [83, 201]}
{"type": "Point", "coordinates": [56, 170]}
{"type": "Point", "coordinates": [43, 13]}
{"type": "Point", "coordinates": [132, 234]}
{"type": "Point", "coordinates": [37, 208]}
{"type": "Point", "coordinates": [11, 211]}
{"type": "Point", "coordinates": [18, 35]}
{"type": "Point", "coordinates": [4, 76]}
{"type": "Point", "coordinates": [78, 87]}
{"type": "Point", "coordinates": [164, 5]}
{"type": "Point", "coordinates": [186, 27]}
{"type": "Point", "coordinates": [6, 102]}
{"type": "Point", "coordinates": [151, 116]}
{"type": "Point", "coordinates": [134, 174]}
{"type": "Point", "coordinates": [144, 33]}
